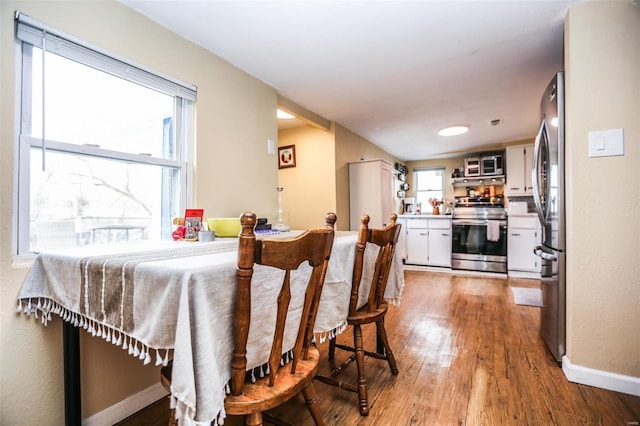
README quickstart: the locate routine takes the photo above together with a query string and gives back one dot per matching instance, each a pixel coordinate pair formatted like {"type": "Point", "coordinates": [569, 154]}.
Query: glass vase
{"type": "Point", "coordinates": [282, 214]}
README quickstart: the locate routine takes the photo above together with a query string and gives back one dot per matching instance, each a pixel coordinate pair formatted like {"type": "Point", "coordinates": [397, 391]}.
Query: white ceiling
{"type": "Point", "coordinates": [394, 72]}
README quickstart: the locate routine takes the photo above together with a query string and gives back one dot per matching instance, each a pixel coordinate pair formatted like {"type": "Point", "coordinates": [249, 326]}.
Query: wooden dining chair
{"type": "Point", "coordinates": [373, 311]}
{"type": "Point", "coordinates": [281, 383]}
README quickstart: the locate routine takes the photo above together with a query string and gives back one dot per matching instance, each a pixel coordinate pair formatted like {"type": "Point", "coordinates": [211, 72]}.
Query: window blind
{"type": "Point", "coordinates": [34, 32]}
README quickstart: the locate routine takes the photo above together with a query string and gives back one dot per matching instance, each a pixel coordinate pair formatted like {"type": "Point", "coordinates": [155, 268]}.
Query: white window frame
{"type": "Point", "coordinates": [417, 190]}
{"type": "Point", "coordinates": [32, 32]}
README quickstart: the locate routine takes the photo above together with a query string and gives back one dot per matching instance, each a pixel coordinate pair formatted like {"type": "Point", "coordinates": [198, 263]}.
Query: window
{"type": "Point", "coordinates": [103, 145]}
{"type": "Point", "coordinates": [428, 183]}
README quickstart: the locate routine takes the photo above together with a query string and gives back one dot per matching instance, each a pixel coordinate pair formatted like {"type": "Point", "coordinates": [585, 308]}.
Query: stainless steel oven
{"type": "Point", "coordinates": [479, 229]}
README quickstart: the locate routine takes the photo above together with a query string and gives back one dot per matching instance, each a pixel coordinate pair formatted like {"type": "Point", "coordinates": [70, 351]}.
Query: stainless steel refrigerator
{"type": "Point", "coordinates": [549, 197]}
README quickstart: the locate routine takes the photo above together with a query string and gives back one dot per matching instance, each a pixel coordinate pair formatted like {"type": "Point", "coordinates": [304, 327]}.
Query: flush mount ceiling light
{"type": "Point", "coordinates": [453, 130]}
{"type": "Point", "coordinates": [284, 115]}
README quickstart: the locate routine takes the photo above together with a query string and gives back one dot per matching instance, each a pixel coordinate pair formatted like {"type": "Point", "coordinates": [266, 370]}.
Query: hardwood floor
{"type": "Point", "coordinates": [467, 355]}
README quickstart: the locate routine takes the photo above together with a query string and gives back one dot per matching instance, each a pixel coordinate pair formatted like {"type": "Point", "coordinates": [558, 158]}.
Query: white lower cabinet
{"type": "Point", "coordinates": [522, 237]}
{"type": "Point", "coordinates": [428, 241]}
{"type": "Point", "coordinates": [440, 242]}
{"type": "Point", "coordinates": [418, 241]}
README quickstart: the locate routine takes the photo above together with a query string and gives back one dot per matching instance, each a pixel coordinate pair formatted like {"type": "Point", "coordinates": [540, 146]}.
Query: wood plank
{"type": "Point", "coordinates": [467, 355]}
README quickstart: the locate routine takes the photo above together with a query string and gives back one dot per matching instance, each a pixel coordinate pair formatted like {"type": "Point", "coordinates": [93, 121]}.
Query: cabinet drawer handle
{"type": "Point", "coordinates": [445, 235]}
{"type": "Point", "coordinates": [515, 235]}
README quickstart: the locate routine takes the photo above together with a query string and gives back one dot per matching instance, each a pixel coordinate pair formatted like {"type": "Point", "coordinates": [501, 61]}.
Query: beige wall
{"type": "Point", "coordinates": [604, 228]}
{"type": "Point", "coordinates": [310, 187]}
{"type": "Point", "coordinates": [602, 62]}
{"type": "Point", "coordinates": [320, 179]}
{"type": "Point", "coordinates": [234, 173]}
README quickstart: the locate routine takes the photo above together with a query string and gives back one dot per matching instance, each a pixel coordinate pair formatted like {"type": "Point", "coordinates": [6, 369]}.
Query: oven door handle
{"type": "Point", "coordinates": [476, 222]}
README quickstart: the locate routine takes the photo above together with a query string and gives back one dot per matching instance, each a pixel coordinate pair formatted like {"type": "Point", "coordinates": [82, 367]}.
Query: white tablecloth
{"type": "Point", "coordinates": [154, 297]}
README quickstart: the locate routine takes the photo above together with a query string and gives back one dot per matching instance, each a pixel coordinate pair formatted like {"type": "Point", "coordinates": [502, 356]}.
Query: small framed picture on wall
{"type": "Point", "coordinates": [286, 156]}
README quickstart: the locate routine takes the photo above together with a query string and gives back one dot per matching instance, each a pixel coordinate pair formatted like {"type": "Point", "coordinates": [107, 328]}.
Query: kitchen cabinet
{"type": "Point", "coordinates": [440, 242]}
{"type": "Point", "coordinates": [418, 242]}
{"type": "Point", "coordinates": [371, 191]}
{"type": "Point", "coordinates": [523, 236]}
{"type": "Point", "coordinates": [519, 164]}
{"type": "Point", "coordinates": [428, 241]}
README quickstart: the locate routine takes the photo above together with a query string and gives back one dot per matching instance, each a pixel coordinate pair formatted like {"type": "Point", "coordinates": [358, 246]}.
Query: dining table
{"type": "Point", "coordinates": [162, 300]}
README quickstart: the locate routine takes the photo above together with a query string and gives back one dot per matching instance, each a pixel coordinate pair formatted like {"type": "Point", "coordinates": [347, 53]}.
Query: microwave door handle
{"type": "Point", "coordinates": [534, 172]}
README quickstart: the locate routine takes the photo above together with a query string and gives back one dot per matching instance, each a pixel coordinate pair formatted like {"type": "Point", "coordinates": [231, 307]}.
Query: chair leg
{"type": "Point", "coordinates": [269, 419]}
{"type": "Point", "coordinates": [362, 380]}
{"type": "Point", "coordinates": [172, 418]}
{"type": "Point", "coordinates": [382, 335]}
{"type": "Point", "coordinates": [253, 419]}
{"type": "Point", "coordinates": [310, 398]}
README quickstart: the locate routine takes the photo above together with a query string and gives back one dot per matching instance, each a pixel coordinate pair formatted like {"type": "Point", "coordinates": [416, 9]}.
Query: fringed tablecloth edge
{"type": "Point", "coordinates": [322, 336]}
{"type": "Point", "coordinates": [45, 306]}
{"type": "Point", "coordinates": [395, 301]}
{"type": "Point", "coordinates": [185, 413]}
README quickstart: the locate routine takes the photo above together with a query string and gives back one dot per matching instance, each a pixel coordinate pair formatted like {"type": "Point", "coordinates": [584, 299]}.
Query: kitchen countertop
{"type": "Point", "coordinates": [425, 216]}
{"type": "Point", "coordinates": [521, 214]}
{"type": "Point", "coordinates": [448, 216]}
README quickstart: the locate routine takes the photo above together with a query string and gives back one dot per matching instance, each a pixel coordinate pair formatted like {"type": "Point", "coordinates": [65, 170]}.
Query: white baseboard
{"type": "Point", "coordinates": [127, 407]}
{"type": "Point", "coordinates": [600, 379]}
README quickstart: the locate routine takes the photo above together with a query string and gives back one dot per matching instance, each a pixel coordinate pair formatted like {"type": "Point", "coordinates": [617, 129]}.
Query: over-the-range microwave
{"type": "Point", "coordinates": [492, 165]}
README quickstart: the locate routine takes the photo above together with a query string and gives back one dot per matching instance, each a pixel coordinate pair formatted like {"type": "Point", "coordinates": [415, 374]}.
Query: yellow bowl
{"type": "Point", "coordinates": [224, 226]}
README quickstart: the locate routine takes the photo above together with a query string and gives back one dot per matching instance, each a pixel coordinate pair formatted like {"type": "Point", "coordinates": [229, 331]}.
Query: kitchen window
{"type": "Point", "coordinates": [103, 145]}
{"type": "Point", "coordinates": [428, 183]}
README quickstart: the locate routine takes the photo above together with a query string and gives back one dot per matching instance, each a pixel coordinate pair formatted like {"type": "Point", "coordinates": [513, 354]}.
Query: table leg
{"type": "Point", "coordinates": [72, 399]}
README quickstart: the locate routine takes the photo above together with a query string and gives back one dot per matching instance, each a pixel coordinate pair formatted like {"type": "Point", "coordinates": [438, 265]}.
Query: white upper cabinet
{"type": "Point", "coordinates": [519, 164]}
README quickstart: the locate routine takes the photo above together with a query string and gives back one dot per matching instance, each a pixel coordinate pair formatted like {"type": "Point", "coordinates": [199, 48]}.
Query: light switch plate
{"type": "Point", "coordinates": [271, 147]}
{"type": "Point", "coordinates": [606, 143]}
